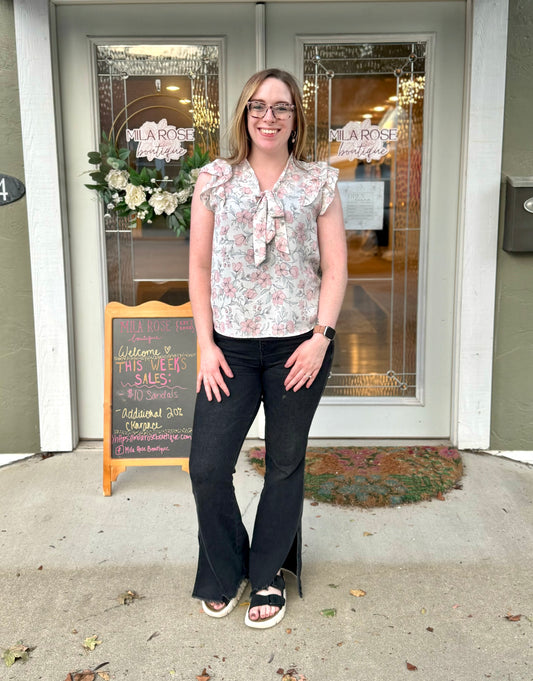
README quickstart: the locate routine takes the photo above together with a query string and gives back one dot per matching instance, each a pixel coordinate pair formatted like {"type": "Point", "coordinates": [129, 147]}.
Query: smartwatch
{"type": "Point", "coordinates": [327, 331]}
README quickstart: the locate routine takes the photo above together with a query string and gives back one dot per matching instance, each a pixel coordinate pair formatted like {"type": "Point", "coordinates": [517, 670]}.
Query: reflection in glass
{"type": "Point", "coordinates": [349, 88]}
{"type": "Point", "coordinates": [139, 83]}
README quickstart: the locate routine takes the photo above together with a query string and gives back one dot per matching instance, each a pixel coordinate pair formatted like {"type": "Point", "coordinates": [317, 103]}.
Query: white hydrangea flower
{"type": "Point", "coordinates": [184, 194]}
{"type": "Point", "coordinates": [163, 202]}
{"type": "Point", "coordinates": [134, 196]}
{"type": "Point", "coordinates": [117, 179]}
{"type": "Point", "coordinates": [195, 172]}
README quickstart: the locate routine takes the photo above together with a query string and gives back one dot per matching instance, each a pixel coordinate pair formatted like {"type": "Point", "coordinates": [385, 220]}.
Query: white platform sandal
{"type": "Point", "coordinates": [230, 605]}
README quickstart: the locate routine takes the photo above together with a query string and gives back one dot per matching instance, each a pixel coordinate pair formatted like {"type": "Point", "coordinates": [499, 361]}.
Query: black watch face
{"type": "Point", "coordinates": [329, 333]}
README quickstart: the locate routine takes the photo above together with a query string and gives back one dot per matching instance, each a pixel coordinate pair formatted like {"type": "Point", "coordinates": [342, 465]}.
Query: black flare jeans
{"type": "Point", "coordinates": [225, 554]}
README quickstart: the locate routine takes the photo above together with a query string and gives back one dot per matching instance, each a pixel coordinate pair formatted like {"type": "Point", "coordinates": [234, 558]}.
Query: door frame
{"type": "Point", "coordinates": [485, 67]}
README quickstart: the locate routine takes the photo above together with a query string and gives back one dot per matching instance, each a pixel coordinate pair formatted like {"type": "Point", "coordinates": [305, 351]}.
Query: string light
{"type": "Point", "coordinates": [307, 93]}
{"type": "Point", "coordinates": [205, 114]}
{"type": "Point", "coordinates": [411, 90]}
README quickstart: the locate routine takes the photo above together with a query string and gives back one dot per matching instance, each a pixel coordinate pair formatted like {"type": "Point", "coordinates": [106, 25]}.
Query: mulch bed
{"type": "Point", "coordinates": [375, 476]}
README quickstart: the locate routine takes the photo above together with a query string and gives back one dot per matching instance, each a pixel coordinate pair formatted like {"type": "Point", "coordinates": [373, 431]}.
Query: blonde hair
{"type": "Point", "coordinates": [239, 140]}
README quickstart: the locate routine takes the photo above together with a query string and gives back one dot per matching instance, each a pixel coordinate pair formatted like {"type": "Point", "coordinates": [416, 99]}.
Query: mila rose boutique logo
{"type": "Point", "coordinates": [363, 141]}
{"type": "Point", "coordinates": [160, 140]}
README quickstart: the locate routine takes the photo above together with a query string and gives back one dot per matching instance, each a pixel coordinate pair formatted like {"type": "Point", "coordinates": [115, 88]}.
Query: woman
{"type": "Point", "coordinates": [267, 278]}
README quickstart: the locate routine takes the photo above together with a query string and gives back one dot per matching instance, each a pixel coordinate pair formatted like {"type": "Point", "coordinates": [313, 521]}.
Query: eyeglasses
{"type": "Point", "coordinates": [258, 109]}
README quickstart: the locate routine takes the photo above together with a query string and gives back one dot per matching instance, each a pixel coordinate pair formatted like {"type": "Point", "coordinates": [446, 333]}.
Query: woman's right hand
{"type": "Point", "coordinates": [212, 360]}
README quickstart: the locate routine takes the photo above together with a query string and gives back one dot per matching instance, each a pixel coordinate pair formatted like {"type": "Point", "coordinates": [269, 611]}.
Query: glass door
{"type": "Point", "coordinates": [383, 87]}
{"type": "Point", "coordinates": [112, 82]}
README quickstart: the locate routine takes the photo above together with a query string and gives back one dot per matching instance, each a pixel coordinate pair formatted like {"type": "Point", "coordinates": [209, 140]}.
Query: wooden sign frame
{"type": "Point", "coordinates": [153, 309]}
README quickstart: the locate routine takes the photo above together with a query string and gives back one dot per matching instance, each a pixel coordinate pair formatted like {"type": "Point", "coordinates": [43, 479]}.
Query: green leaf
{"type": "Point", "coordinates": [135, 178]}
{"type": "Point", "coordinates": [91, 642]}
{"type": "Point", "coordinates": [328, 612]}
{"type": "Point", "coordinates": [177, 224]}
{"type": "Point", "coordinates": [94, 158]}
{"type": "Point", "coordinates": [16, 652]}
{"type": "Point", "coordinates": [124, 154]}
{"type": "Point", "coordinates": [9, 657]}
{"type": "Point", "coordinates": [98, 176]}
{"type": "Point", "coordinates": [197, 159]}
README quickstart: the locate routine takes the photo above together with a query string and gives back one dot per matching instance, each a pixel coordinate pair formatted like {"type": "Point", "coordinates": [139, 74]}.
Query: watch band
{"type": "Point", "coordinates": [327, 331]}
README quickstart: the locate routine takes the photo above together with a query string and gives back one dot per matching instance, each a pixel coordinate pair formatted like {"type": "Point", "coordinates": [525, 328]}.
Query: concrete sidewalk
{"type": "Point", "coordinates": [440, 578]}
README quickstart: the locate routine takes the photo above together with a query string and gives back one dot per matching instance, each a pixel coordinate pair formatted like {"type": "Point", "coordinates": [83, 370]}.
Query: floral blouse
{"type": "Point", "coordinates": [265, 268]}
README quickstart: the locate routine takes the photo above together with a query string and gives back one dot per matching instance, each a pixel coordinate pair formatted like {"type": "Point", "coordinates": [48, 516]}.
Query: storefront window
{"type": "Point", "coordinates": [365, 109]}
{"type": "Point", "coordinates": [177, 84]}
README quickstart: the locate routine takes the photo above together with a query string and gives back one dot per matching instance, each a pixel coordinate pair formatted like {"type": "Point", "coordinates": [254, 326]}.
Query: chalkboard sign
{"type": "Point", "coordinates": [150, 386]}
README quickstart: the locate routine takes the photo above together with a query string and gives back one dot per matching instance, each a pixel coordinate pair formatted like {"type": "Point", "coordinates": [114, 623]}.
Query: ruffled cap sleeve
{"type": "Point", "coordinates": [328, 188]}
{"type": "Point", "coordinates": [319, 182]}
{"type": "Point", "coordinates": [213, 195]}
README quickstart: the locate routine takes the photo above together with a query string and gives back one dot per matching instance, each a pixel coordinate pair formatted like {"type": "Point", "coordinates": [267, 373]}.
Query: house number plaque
{"type": "Point", "coordinates": [11, 189]}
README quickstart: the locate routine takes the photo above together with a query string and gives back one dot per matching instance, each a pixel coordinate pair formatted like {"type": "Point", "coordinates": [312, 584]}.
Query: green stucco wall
{"type": "Point", "coordinates": [19, 415]}
{"type": "Point", "coordinates": [512, 403]}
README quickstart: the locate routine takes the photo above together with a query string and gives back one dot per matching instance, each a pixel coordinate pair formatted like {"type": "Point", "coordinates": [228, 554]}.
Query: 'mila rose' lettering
{"type": "Point", "coordinates": [160, 140]}
{"type": "Point", "coordinates": [363, 141]}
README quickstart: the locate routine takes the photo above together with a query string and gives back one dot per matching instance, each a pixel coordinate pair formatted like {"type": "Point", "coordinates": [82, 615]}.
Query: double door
{"type": "Point", "coordinates": [382, 86]}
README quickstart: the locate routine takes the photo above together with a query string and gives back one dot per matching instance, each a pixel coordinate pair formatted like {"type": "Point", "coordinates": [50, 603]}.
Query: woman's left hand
{"type": "Point", "coordinates": [305, 362]}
